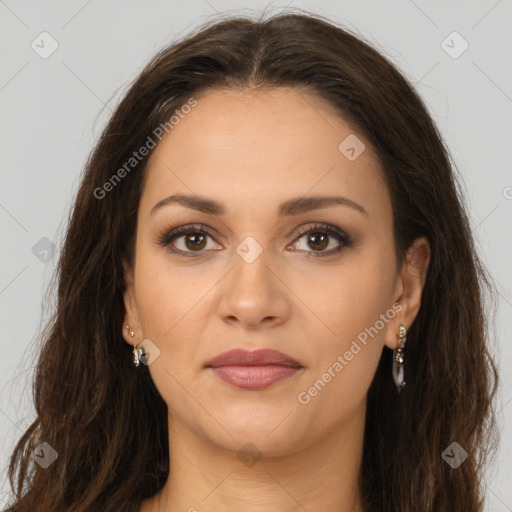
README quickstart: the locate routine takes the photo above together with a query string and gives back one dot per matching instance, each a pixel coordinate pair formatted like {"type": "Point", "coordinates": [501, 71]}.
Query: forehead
{"type": "Point", "coordinates": [250, 146]}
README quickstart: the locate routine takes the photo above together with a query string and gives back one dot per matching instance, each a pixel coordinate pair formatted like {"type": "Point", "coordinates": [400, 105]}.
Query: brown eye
{"type": "Point", "coordinates": [187, 240]}
{"type": "Point", "coordinates": [318, 238]}
{"type": "Point", "coordinates": [318, 241]}
{"type": "Point", "coordinates": [195, 241]}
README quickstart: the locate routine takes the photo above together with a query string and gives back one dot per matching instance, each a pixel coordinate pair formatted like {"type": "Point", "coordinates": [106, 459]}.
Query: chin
{"type": "Point", "coordinates": [257, 444]}
{"type": "Point", "coordinates": [264, 428]}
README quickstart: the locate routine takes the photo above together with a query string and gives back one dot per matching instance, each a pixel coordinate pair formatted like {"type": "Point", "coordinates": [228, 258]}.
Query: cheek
{"type": "Point", "coordinates": [357, 308]}
{"type": "Point", "coordinates": [169, 312]}
{"type": "Point", "coordinates": [351, 297]}
{"type": "Point", "coordinates": [163, 293]}
{"type": "Point", "coordinates": [158, 306]}
{"type": "Point", "coordinates": [346, 362]}
{"type": "Point", "coordinates": [171, 306]}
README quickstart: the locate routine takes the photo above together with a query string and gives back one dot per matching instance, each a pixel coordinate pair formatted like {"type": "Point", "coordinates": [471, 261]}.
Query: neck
{"type": "Point", "coordinates": [206, 477]}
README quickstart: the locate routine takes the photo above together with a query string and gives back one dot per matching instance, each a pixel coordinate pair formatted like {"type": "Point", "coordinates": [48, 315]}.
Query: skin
{"type": "Point", "coordinates": [252, 150]}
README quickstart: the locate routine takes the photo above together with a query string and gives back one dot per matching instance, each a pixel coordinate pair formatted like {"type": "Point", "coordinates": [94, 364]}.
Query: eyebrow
{"type": "Point", "coordinates": [289, 207]}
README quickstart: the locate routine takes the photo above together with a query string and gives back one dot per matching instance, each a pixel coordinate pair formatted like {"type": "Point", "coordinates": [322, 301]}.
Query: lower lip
{"type": "Point", "coordinates": [255, 377]}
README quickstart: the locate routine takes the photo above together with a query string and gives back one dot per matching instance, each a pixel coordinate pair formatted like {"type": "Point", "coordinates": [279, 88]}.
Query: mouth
{"type": "Point", "coordinates": [254, 370]}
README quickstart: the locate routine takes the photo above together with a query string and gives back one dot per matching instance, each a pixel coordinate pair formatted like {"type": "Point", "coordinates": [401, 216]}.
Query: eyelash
{"type": "Point", "coordinates": [339, 235]}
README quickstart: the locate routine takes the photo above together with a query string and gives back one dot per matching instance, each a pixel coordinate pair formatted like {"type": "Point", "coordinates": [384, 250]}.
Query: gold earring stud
{"type": "Point", "coordinates": [137, 352]}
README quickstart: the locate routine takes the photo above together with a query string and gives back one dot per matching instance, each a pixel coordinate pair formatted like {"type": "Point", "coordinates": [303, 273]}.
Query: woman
{"type": "Point", "coordinates": [269, 297]}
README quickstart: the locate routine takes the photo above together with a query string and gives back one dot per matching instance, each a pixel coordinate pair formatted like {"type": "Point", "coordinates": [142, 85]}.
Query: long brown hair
{"type": "Point", "coordinates": [95, 411]}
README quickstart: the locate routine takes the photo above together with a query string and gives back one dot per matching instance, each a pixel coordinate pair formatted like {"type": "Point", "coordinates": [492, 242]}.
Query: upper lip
{"type": "Point", "coordinates": [260, 357]}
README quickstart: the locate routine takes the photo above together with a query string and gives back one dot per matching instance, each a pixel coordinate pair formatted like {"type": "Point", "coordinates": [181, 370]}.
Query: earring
{"type": "Point", "coordinates": [137, 352]}
{"type": "Point", "coordinates": [398, 359]}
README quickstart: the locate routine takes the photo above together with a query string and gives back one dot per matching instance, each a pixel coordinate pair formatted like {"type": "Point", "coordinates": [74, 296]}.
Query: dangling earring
{"type": "Point", "coordinates": [398, 359]}
{"type": "Point", "coordinates": [137, 352]}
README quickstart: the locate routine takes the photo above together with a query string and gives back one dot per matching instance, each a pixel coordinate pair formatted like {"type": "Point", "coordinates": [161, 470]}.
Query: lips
{"type": "Point", "coordinates": [253, 370]}
{"type": "Point", "coordinates": [262, 357]}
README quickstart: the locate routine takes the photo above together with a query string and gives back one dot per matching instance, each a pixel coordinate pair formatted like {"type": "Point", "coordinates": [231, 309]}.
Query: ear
{"type": "Point", "coordinates": [131, 317]}
{"type": "Point", "coordinates": [409, 289]}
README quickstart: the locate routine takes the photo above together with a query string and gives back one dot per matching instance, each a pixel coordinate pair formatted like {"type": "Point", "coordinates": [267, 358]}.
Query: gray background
{"type": "Point", "coordinates": [53, 109]}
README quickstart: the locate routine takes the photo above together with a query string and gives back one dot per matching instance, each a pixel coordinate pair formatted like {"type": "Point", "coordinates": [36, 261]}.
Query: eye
{"type": "Point", "coordinates": [195, 239]}
{"type": "Point", "coordinates": [318, 238]}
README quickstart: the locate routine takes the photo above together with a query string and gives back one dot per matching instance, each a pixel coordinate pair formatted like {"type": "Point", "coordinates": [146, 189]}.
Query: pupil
{"type": "Point", "coordinates": [315, 236]}
{"type": "Point", "coordinates": [198, 240]}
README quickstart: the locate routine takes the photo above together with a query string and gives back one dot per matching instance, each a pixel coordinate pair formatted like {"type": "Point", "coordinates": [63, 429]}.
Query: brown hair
{"type": "Point", "coordinates": [96, 411]}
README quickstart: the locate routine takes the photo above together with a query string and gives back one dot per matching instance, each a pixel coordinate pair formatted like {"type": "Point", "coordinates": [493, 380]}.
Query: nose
{"type": "Point", "coordinates": [254, 295]}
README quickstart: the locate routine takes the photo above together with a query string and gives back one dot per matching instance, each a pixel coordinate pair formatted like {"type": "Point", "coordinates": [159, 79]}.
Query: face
{"type": "Point", "coordinates": [319, 284]}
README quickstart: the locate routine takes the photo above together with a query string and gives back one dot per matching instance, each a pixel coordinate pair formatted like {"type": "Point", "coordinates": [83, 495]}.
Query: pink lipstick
{"type": "Point", "coordinates": [254, 370]}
